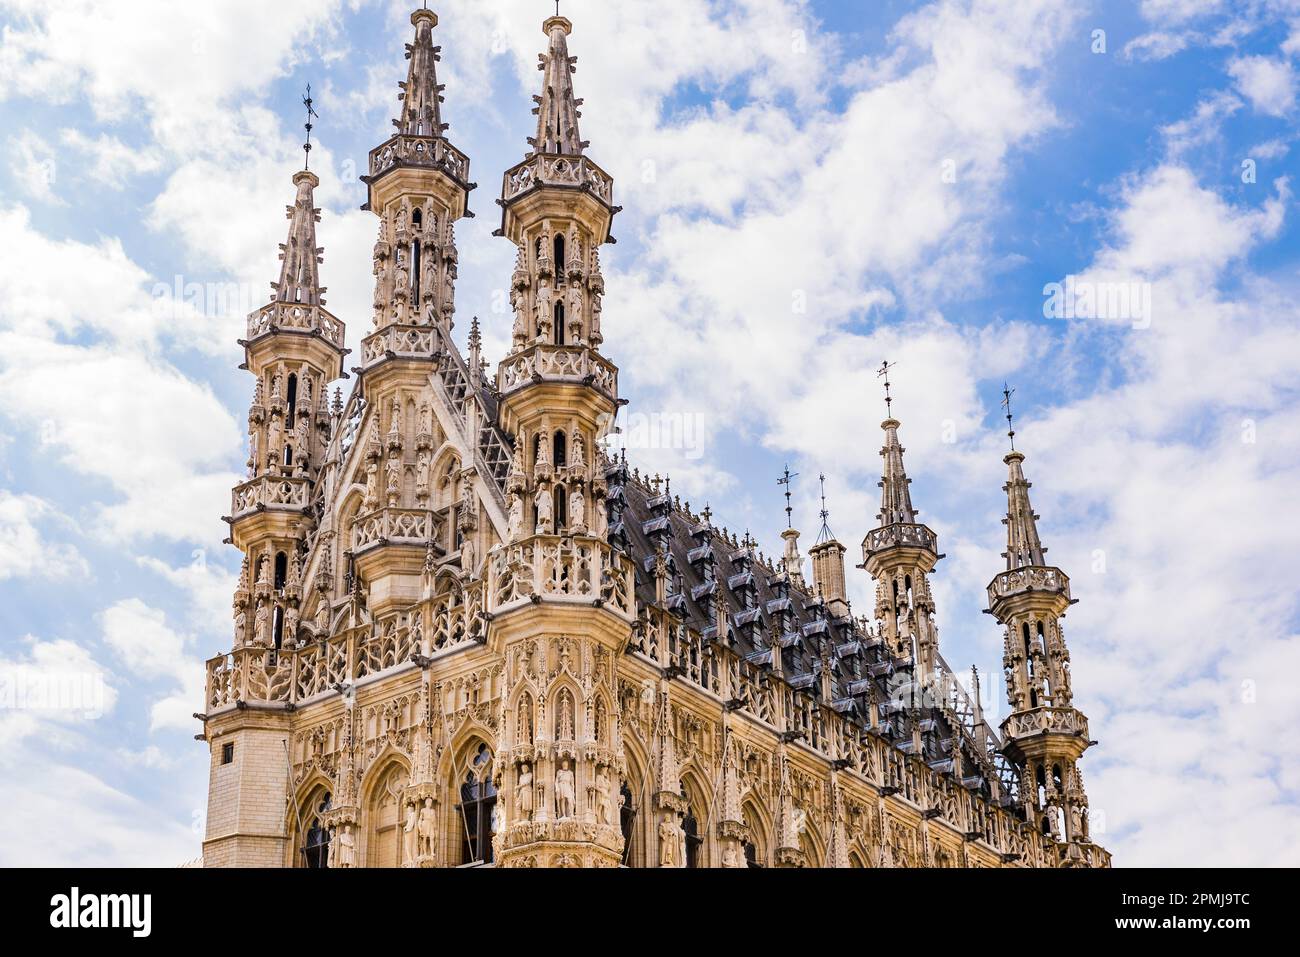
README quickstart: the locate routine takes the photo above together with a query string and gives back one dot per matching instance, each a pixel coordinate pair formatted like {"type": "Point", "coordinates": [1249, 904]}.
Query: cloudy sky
{"type": "Point", "coordinates": [811, 186]}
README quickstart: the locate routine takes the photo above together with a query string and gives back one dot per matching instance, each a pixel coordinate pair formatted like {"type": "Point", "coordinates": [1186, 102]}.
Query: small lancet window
{"type": "Point", "coordinates": [293, 398]}
{"type": "Point", "coordinates": [281, 569]}
{"type": "Point", "coordinates": [559, 324]}
{"type": "Point", "coordinates": [559, 255]}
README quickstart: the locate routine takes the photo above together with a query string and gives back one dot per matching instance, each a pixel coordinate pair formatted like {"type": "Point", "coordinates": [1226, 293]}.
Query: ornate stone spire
{"type": "Point", "coordinates": [1024, 549]}
{"type": "Point", "coordinates": [421, 94]}
{"type": "Point", "coordinates": [895, 497]}
{"type": "Point", "coordinates": [299, 277]}
{"type": "Point", "coordinates": [557, 108]}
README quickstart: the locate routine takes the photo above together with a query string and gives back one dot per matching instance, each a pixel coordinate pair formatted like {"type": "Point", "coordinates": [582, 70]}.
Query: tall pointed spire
{"type": "Point", "coordinates": [421, 94]}
{"type": "Point", "coordinates": [896, 498]}
{"type": "Point", "coordinates": [557, 108]}
{"type": "Point", "coordinates": [1024, 550]}
{"type": "Point", "coordinates": [299, 277]}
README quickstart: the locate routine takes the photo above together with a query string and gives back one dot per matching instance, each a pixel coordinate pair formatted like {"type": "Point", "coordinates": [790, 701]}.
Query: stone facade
{"type": "Point", "coordinates": [464, 634]}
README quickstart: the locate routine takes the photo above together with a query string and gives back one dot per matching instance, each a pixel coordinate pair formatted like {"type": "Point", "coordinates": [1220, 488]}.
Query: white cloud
{"type": "Point", "coordinates": [34, 167]}
{"type": "Point", "coordinates": [151, 650]}
{"type": "Point", "coordinates": [1269, 83]}
{"type": "Point", "coordinates": [159, 439]}
{"type": "Point", "coordinates": [1157, 45]}
{"type": "Point", "coordinates": [106, 159]}
{"type": "Point", "coordinates": [52, 688]}
{"type": "Point", "coordinates": [24, 550]}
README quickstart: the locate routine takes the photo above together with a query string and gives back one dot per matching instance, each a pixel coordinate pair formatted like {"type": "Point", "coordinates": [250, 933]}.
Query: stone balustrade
{"type": "Point", "coordinates": [558, 568]}
{"type": "Point", "coordinates": [899, 533]}
{"type": "Point", "coordinates": [427, 151]}
{"type": "Point", "coordinates": [543, 169]}
{"type": "Point", "coordinates": [1053, 720]}
{"type": "Point", "coordinates": [295, 317]}
{"type": "Point", "coordinates": [558, 364]}
{"type": "Point", "coordinates": [396, 526]}
{"type": "Point", "coordinates": [398, 340]}
{"type": "Point", "coordinates": [1033, 578]}
{"type": "Point", "coordinates": [269, 491]}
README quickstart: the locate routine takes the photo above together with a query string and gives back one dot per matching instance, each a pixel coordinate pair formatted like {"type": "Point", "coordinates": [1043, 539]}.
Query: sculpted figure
{"type": "Point", "coordinates": [577, 510]}
{"type": "Point", "coordinates": [669, 842]}
{"type": "Point", "coordinates": [260, 621]}
{"type": "Point", "coordinates": [605, 809]}
{"type": "Point", "coordinates": [516, 523]}
{"type": "Point", "coordinates": [409, 835]}
{"type": "Point", "coordinates": [372, 485]}
{"type": "Point", "coordinates": [427, 829]}
{"type": "Point", "coordinates": [564, 791]}
{"type": "Point", "coordinates": [543, 310]}
{"type": "Point", "coordinates": [393, 485]}
{"type": "Point", "coordinates": [347, 848]}
{"type": "Point", "coordinates": [544, 511]}
{"type": "Point", "coordinates": [524, 793]}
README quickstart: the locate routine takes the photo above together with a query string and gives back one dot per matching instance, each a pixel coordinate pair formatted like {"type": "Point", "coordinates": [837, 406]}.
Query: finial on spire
{"type": "Point", "coordinates": [1007, 392]}
{"type": "Point", "coordinates": [306, 146]}
{"type": "Point", "coordinates": [786, 480]}
{"type": "Point", "coordinates": [825, 535]}
{"type": "Point", "coordinates": [883, 372]}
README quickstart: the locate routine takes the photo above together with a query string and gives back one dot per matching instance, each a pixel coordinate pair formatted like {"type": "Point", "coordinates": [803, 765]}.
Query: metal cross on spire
{"type": "Point", "coordinates": [825, 535]}
{"type": "Point", "coordinates": [306, 147]}
{"type": "Point", "coordinates": [883, 373]}
{"type": "Point", "coordinates": [1006, 404]}
{"type": "Point", "coordinates": [786, 480]}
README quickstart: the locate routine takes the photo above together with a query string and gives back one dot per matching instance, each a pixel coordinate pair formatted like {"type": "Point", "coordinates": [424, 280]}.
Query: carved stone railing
{"type": "Point", "coordinates": [1054, 720]}
{"type": "Point", "coordinates": [405, 341]}
{"type": "Point", "coordinates": [899, 533]}
{"type": "Point", "coordinates": [1032, 578]}
{"type": "Point", "coordinates": [556, 568]}
{"type": "Point", "coordinates": [558, 363]}
{"type": "Point", "coordinates": [270, 492]}
{"type": "Point", "coordinates": [297, 317]}
{"type": "Point", "coordinates": [392, 643]}
{"type": "Point", "coordinates": [396, 526]}
{"type": "Point", "coordinates": [458, 618]}
{"type": "Point", "coordinates": [425, 151]}
{"type": "Point", "coordinates": [542, 169]}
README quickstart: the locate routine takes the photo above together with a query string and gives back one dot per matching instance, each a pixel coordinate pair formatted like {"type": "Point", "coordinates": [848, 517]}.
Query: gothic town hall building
{"type": "Point", "coordinates": [465, 635]}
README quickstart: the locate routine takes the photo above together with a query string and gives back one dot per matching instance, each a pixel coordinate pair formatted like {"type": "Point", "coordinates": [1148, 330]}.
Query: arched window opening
{"type": "Point", "coordinates": [281, 569]}
{"type": "Point", "coordinates": [288, 455]}
{"type": "Point", "coordinates": [561, 508]}
{"type": "Point", "coordinates": [415, 269]}
{"type": "Point", "coordinates": [478, 798]}
{"type": "Point", "coordinates": [559, 256]}
{"type": "Point", "coordinates": [558, 331]}
{"type": "Point", "coordinates": [627, 820]}
{"type": "Point", "coordinates": [537, 448]}
{"type": "Point", "coordinates": [316, 843]}
{"type": "Point", "coordinates": [559, 449]}
{"type": "Point", "coordinates": [293, 398]}
{"type": "Point", "coordinates": [691, 829]}
{"type": "Point", "coordinates": [278, 627]}
{"type": "Point", "coordinates": [751, 854]}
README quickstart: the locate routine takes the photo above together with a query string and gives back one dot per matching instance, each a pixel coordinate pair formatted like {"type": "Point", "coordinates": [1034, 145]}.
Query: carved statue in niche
{"type": "Point", "coordinates": [543, 310]}
{"type": "Point", "coordinates": [346, 855]}
{"type": "Point", "coordinates": [427, 829]}
{"type": "Point", "coordinates": [252, 452]}
{"type": "Point", "coordinates": [241, 625]}
{"type": "Point", "coordinates": [372, 486]}
{"type": "Point", "coordinates": [422, 474]}
{"type": "Point", "coordinates": [670, 837]}
{"type": "Point", "coordinates": [274, 440]}
{"type": "Point", "coordinates": [393, 481]}
{"type": "Point", "coordinates": [604, 803]}
{"type": "Point", "coordinates": [519, 331]}
{"type": "Point", "coordinates": [564, 791]}
{"type": "Point", "coordinates": [261, 620]}
{"type": "Point", "coordinates": [575, 312]}
{"type": "Point", "coordinates": [468, 555]}
{"type": "Point", "coordinates": [409, 834]}
{"type": "Point", "coordinates": [577, 511]}
{"type": "Point", "coordinates": [515, 525]}
{"type": "Point", "coordinates": [276, 382]}
{"type": "Point", "coordinates": [579, 454]}
{"type": "Point", "coordinates": [524, 793]}
{"type": "Point", "coordinates": [544, 511]}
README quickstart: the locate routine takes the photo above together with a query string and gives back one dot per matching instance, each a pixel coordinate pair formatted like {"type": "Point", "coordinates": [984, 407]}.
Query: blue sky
{"type": "Point", "coordinates": [788, 224]}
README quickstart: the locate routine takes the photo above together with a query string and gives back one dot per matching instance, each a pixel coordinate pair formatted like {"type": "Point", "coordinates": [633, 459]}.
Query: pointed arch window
{"type": "Point", "coordinates": [558, 331]}
{"type": "Point", "coordinates": [559, 449]}
{"type": "Point", "coordinates": [559, 257]}
{"type": "Point", "coordinates": [691, 830]}
{"type": "Point", "coordinates": [561, 508]}
{"type": "Point", "coordinates": [478, 799]}
{"type": "Point", "coordinates": [293, 399]}
{"type": "Point", "coordinates": [316, 842]}
{"type": "Point", "coordinates": [417, 220]}
{"type": "Point", "coordinates": [627, 820]}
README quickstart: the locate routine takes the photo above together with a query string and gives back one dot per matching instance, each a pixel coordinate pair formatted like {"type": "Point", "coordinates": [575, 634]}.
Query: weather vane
{"type": "Point", "coordinates": [825, 534]}
{"type": "Point", "coordinates": [884, 373]}
{"type": "Point", "coordinates": [306, 147]}
{"type": "Point", "coordinates": [1006, 404]}
{"type": "Point", "coordinates": [786, 480]}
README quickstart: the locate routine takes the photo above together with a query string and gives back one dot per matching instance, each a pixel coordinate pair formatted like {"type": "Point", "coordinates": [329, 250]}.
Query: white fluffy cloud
{"type": "Point", "coordinates": [151, 650]}
{"type": "Point", "coordinates": [34, 167]}
{"type": "Point", "coordinates": [1269, 83]}
{"type": "Point", "coordinates": [25, 552]}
